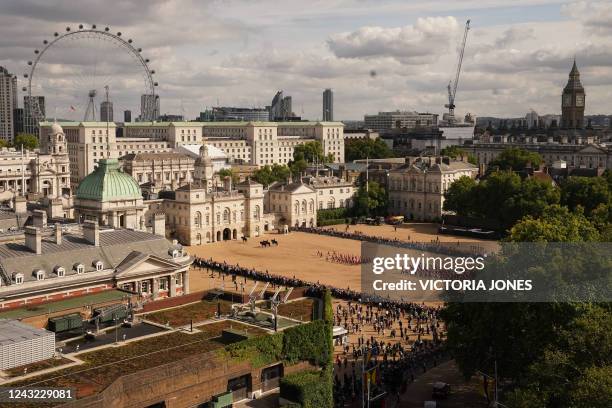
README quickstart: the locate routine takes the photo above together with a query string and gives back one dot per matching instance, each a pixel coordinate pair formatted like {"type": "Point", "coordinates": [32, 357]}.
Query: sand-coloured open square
{"type": "Point", "coordinates": [303, 255]}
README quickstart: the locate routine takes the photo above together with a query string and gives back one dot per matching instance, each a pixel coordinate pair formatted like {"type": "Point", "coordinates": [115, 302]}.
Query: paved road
{"type": "Point", "coordinates": [463, 394]}
{"type": "Point", "coordinates": [138, 330]}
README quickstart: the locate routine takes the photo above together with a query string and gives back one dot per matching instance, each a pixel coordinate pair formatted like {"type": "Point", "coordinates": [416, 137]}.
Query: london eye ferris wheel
{"type": "Point", "coordinates": [76, 71]}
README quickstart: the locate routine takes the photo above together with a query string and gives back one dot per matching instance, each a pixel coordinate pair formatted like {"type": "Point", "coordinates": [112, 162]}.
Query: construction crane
{"type": "Point", "coordinates": [452, 85]}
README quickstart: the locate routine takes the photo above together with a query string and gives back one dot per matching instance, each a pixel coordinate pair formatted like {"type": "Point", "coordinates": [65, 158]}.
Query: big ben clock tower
{"type": "Point", "coordinates": [572, 102]}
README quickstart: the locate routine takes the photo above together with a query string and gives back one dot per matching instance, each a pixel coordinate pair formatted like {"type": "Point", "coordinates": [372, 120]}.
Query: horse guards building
{"type": "Point", "coordinates": [91, 211]}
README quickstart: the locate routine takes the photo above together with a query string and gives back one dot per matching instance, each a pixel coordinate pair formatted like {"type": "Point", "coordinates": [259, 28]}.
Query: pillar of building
{"type": "Point", "coordinates": [172, 291]}
{"type": "Point", "coordinates": [155, 288]}
{"type": "Point", "coordinates": [185, 282]}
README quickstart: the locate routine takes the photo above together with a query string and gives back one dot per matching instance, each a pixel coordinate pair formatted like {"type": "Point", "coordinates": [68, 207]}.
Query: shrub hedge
{"type": "Point", "coordinates": [333, 221]}
{"type": "Point", "coordinates": [309, 389]}
{"type": "Point", "coordinates": [306, 342]}
{"type": "Point", "coordinates": [332, 214]}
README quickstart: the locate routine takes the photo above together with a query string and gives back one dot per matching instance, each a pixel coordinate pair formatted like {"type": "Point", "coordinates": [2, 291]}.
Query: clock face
{"type": "Point", "coordinates": [567, 100]}
{"type": "Point", "coordinates": [579, 100]}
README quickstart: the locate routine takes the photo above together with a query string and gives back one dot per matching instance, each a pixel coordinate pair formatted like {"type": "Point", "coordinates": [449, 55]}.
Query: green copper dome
{"type": "Point", "coordinates": [107, 183]}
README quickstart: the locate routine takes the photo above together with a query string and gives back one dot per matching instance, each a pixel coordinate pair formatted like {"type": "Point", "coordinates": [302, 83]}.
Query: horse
{"type": "Point", "coordinates": [244, 239]}
{"type": "Point", "coordinates": [274, 242]}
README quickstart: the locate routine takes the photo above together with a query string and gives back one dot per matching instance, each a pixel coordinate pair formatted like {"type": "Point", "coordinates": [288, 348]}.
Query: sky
{"type": "Point", "coordinates": [240, 52]}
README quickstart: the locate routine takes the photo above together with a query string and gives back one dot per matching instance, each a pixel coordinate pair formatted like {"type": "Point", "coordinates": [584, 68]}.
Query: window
{"type": "Point", "coordinates": [79, 268]}
{"type": "Point", "coordinates": [99, 265]}
{"type": "Point", "coordinates": [163, 284]}
{"type": "Point", "coordinates": [60, 271]}
{"type": "Point", "coordinates": [40, 275]}
{"type": "Point", "coordinates": [18, 278]}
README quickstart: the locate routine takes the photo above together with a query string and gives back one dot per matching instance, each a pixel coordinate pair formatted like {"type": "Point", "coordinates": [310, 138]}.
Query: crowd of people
{"type": "Point", "coordinates": [395, 353]}
{"type": "Point", "coordinates": [398, 350]}
{"type": "Point", "coordinates": [435, 245]}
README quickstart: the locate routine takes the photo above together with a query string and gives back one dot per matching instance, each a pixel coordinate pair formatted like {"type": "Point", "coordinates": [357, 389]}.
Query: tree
{"type": "Point", "coordinates": [223, 173]}
{"type": "Point", "coordinates": [310, 152]}
{"type": "Point", "coordinates": [587, 192]}
{"type": "Point", "coordinates": [557, 224]}
{"type": "Point", "coordinates": [516, 159]}
{"type": "Point", "coordinates": [371, 201]}
{"type": "Point", "coordinates": [366, 148]}
{"type": "Point", "coordinates": [26, 140]}
{"type": "Point", "coordinates": [267, 175]}
{"type": "Point", "coordinates": [503, 196]}
{"type": "Point", "coordinates": [460, 196]}
{"type": "Point", "coordinates": [455, 152]}
{"type": "Point", "coordinates": [298, 167]}
{"type": "Point", "coordinates": [3, 143]}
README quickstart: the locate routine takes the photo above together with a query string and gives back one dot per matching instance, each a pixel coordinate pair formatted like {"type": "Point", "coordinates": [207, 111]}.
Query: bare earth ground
{"type": "Point", "coordinates": [296, 255]}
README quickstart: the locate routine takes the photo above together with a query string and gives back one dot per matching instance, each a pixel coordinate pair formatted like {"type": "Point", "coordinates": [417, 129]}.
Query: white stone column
{"type": "Point", "coordinates": [172, 291]}
{"type": "Point", "coordinates": [155, 287]}
{"type": "Point", "coordinates": [185, 282]}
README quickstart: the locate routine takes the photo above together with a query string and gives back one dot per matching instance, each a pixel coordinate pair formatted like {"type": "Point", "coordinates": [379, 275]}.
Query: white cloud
{"type": "Point", "coordinates": [420, 43]}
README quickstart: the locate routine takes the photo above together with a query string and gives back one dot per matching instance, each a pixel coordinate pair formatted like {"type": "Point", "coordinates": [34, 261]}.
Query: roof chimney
{"type": "Point", "coordinates": [159, 224]}
{"type": "Point", "coordinates": [91, 232]}
{"type": "Point", "coordinates": [58, 233]}
{"type": "Point", "coordinates": [39, 219]}
{"type": "Point", "coordinates": [33, 239]}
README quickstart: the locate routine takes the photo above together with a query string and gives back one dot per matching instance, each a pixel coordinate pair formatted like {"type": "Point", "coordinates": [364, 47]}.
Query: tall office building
{"type": "Point", "coordinates": [106, 111]}
{"type": "Point", "coordinates": [127, 116]}
{"type": "Point", "coordinates": [33, 113]}
{"type": "Point", "coordinates": [149, 107]}
{"type": "Point", "coordinates": [18, 121]}
{"type": "Point", "coordinates": [276, 106]}
{"type": "Point", "coordinates": [328, 105]}
{"type": "Point", "coordinates": [8, 104]}
{"type": "Point", "coordinates": [287, 108]}
{"type": "Point", "coordinates": [281, 107]}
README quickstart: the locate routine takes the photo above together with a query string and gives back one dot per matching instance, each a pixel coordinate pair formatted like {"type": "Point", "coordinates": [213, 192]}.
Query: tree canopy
{"type": "Point", "coordinates": [516, 159]}
{"type": "Point", "coordinates": [267, 175]}
{"type": "Point", "coordinates": [371, 201]}
{"type": "Point", "coordinates": [28, 141]}
{"type": "Point", "coordinates": [311, 152]}
{"type": "Point", "coordinates": [503, 196]}
{"type": "Point", "coordinates": [366, 148]}
{"type": "Point", "coordinates": [455, 152]}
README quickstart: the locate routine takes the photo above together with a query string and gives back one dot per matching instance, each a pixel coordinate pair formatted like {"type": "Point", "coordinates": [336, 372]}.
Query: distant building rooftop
{"type": "Point", "coordinates": [13, 331]}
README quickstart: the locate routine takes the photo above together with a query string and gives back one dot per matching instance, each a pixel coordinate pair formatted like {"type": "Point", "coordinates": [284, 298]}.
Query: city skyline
{"type": "Point", "coordinates": [395, 56]}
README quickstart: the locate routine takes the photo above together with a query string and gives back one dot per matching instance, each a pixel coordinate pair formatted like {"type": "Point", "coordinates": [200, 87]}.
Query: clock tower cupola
{"type": "Point", "coordinates": [572, 101]}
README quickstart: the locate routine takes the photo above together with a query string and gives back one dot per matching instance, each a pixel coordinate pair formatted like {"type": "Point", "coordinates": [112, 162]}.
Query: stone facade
{"type": "Point", "coordinates": [417, 189]}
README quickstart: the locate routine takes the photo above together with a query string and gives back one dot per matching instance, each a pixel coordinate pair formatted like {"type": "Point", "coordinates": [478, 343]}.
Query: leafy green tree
{"type": "Point", "coordinates": [460, 197]}
{"type": "Point", "coordinates": [556, 224]}
{"type": "Point", "coordinates": [298, 167]}
{"type": "Point", "coordinates": [267, 175]}
{"type": "Point", "coordinates": [371, 201]}
{"type": "Point", "coordinates": [223, 173]}
{"type": "Point", "coordinates": [310, 152]}
{"type": "Point", "coordinates": [28, 141]}
{"type": "Point", "coordinates": [587, 192]}
{"type": "Point", "coordinates": [366, 148]}
{"type": "Point", "coordinates": [503, 196]}
{"type": "Point", "coordinates": [3, 143]}
{"type": "Point", "coordinates": [516, 159]}
{"type": "Point", "coordinates": [456, 152]}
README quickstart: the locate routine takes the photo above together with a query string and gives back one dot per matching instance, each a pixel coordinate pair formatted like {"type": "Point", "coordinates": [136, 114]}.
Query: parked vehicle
{"type": "Point", "coordinates": [441, 390]}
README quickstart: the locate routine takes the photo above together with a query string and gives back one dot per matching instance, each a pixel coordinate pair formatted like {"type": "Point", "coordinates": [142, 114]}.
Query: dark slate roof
{"type": "Point", "coordinates": [115, 247]}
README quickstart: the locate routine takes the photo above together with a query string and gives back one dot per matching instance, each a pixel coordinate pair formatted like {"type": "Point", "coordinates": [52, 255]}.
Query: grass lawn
{"type": "Point", "coordinates": [101, 367]}
{"type": "Point", "coordinates": [38, 366]}
{"type": "Point", "coordinates": [298, 310]}
{"type": "Point", "coordinates": [182, 316]}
